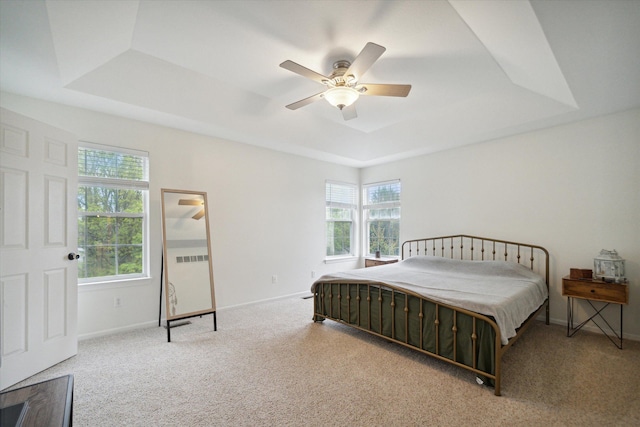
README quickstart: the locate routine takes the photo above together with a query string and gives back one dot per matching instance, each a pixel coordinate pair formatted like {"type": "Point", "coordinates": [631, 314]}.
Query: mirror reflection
{"type": "Point", "coordinates": [188, 278]}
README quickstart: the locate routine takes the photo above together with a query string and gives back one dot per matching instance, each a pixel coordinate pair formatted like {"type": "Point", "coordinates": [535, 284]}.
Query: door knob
{"type": "Point", "coordinates": [73, 256]}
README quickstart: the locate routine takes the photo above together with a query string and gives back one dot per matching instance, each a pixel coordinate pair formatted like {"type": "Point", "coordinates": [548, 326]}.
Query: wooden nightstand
{"type": "Point", "coordinates": [594, 290]}
{"type": "Point", "coordinates": [372, 262]}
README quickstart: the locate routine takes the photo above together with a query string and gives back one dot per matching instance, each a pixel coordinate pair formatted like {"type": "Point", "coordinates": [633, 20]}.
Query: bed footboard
{"type": "Point", "coordinates": [463, 338]}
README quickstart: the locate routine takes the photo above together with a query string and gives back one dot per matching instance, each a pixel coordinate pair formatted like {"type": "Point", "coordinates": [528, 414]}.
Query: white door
{"type": "Point", "coordinates": [38, 230]}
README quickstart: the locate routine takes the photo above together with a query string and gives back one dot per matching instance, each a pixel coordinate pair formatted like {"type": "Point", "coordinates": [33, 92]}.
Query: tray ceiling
{"type": "Point", "coordinates": [478, 70]}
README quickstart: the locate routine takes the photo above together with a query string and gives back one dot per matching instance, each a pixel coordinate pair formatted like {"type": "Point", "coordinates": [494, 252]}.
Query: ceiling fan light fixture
{"type": "Point", "coordinates": [341, 96]}
{"type": "Point", "coordinates": [342, 87]}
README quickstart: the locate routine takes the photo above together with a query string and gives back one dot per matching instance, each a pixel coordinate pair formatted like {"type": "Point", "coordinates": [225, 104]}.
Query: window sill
{"type": "Point", "coordinates": [346, 258]}
{"type": "Point", "coordinates": [115, 283]}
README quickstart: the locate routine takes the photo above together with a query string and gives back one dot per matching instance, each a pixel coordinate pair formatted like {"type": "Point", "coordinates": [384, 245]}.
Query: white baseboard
{"type": "Point", "coordinates": [116, 330]}
{"type": "Point", "coordinates": [155, 322]}
{"type": "Point", "coordinates": [297, 294]}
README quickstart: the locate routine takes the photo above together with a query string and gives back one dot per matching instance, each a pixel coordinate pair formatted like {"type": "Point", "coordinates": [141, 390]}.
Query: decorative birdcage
{"type": "Point", "coordinates": [609, 266]}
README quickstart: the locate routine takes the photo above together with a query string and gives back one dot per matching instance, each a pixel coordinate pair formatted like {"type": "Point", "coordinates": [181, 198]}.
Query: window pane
{"type": "Point", "coordinates": [390, 213]}
{"type": "Point", "coordinates": [111, 164]}
{"type": "Point", "coordinates": [384, 236]}
{"type": "Point", "coordinates": [109, 200]}
{"type": "Point", "coordinates": [100, 230]}
{"type": "Point", "coordinates": [341, 203]}
{"type": "Point", "coordinates": [130, 201]}
{"type": "Point", "coordinates": [98, 261]}
{"type": "Point", "coordinates": [340, 193]}
{"type": "Point", "coordinates": [338, 238]}
{"type": "Point", "coordinates": [130, 167]}
{"type": "Point", "coordinates": [339, 214]}
{"type": "Point", "coordinates": [129, 259]}
{"type": "Point", "coordinates": [382, 193]}
{"type": "Point", "coordinates": [82, 199]}
{"type": "Point", "coordinates": [97, 199]}
{"type": "Point", "coordinates": [129, 231]}
{"type": "Point", "coordinates": [382, 217]}
{"type": "Point", "coordinates": [82, 232]}
{"type": "Point", "coordinates": [96, 163]}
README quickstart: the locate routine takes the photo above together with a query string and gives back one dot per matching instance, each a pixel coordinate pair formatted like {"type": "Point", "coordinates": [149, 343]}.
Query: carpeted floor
{"type": "Point", "coordinates": [270, 365]}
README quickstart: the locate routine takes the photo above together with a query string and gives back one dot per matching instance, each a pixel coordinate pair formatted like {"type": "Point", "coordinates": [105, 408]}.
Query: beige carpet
{"type": "Point", "coordinates": [270, 365]}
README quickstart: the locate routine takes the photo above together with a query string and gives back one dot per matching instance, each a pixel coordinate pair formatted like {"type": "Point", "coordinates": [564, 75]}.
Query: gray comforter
{"type": "Point", "coordinates": [506, 291]}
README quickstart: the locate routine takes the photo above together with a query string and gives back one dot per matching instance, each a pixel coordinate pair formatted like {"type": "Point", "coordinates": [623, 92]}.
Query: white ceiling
{"type": "Point", "coordinates": [479, 70]}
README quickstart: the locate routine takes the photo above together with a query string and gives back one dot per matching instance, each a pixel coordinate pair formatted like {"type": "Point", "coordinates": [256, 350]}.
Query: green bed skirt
{"type": "Point", "coordinates": [412, 321]}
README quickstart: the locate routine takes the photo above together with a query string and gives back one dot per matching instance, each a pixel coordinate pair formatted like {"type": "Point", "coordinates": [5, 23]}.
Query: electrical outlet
{"type": "Point", "coordinates": [117, 302]}
{"type": "Point", "coordinates": [274, 279]}
{"type": "Point", "coordinates": [313, 274]}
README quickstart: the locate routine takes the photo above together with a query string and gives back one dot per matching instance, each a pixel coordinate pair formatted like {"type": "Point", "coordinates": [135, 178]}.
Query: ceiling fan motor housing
{"type": "Point", "coordinates": [338, 77]}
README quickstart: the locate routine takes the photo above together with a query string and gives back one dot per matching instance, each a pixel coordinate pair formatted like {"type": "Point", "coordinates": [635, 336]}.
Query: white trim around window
{"type": "Point", "coordinates": [112, 197]}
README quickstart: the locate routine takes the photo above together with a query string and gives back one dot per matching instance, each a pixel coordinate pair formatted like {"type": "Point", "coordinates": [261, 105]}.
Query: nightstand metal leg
{"type": "Point", "coordinates": [569, 316]}
{"type": "Point", "coordinates": [571, 331]}
{"type": "Point", "coordinates": [621, 326]}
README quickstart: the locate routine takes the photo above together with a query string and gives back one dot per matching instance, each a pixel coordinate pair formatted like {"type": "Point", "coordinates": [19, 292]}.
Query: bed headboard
{"type": "Point", "coordinates": [475, 248]}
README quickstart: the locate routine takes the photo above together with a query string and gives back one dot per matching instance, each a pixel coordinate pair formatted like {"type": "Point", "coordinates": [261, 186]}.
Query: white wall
{"type": "Point", "coordinates": [266, 212]}
{"type": "Point", "coordinates": [574, 189]}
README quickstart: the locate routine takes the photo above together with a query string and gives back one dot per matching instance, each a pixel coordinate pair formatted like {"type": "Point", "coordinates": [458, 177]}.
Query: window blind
{"type": "Point", "coordinates": [340, 195]}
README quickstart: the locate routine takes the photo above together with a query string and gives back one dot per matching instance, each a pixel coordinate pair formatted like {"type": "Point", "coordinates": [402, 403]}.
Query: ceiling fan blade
{"type": "Point", "coordinates": [349, 112]}
{"type": "Point", "coordinates": [383, 89]}
{"type": "Point", "coordinates": [304, 71]}
{"type": "Point", "coordinates": [199, 215]}
{"type": "Point", "coordinates": [305, 101]}
{"type": "Point", "coordinates": [365, 59]}
{"type": "Point", "coordinates": [190, 202]}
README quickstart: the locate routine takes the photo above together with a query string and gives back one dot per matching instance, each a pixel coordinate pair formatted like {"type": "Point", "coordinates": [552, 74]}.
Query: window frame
{"type": "Point", "coordinates": [125, 184]}
{"type": "Point", "coordinates": [354, 207]}
{"type": "Point", "coordinates": [366, 220]}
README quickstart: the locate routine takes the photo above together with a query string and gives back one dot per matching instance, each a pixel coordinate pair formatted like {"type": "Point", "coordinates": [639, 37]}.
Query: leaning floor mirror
{"type": "Point", "coordinates": [188, 271]}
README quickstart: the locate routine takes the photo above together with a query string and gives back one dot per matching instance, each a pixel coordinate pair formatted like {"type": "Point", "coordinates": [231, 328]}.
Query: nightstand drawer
{"type": "Point", "coordinates": [617, 293]}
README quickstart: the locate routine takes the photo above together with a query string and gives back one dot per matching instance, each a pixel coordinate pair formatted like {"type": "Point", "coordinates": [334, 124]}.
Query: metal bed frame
{"type": "Point", "coordinates": [463, 247]}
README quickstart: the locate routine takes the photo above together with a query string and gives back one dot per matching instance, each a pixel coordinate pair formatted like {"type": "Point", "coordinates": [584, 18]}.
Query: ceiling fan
{"type": "Point", "coordinates": [343, 86]}
{"type": "Point", "coordinates": [193, 202]}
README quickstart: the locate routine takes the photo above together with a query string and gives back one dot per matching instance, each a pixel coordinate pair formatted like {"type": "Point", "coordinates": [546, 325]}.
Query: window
{"type": "Point", "coordinates": [340, 209]}
{"type": "Point", "coordinates": [113, 187]}
{"type": "Point", "coordinates": [381, 216]}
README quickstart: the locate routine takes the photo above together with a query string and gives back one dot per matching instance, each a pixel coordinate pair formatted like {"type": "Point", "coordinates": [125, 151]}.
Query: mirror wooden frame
{"type": "Point", "coordinates": [188, 202]}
